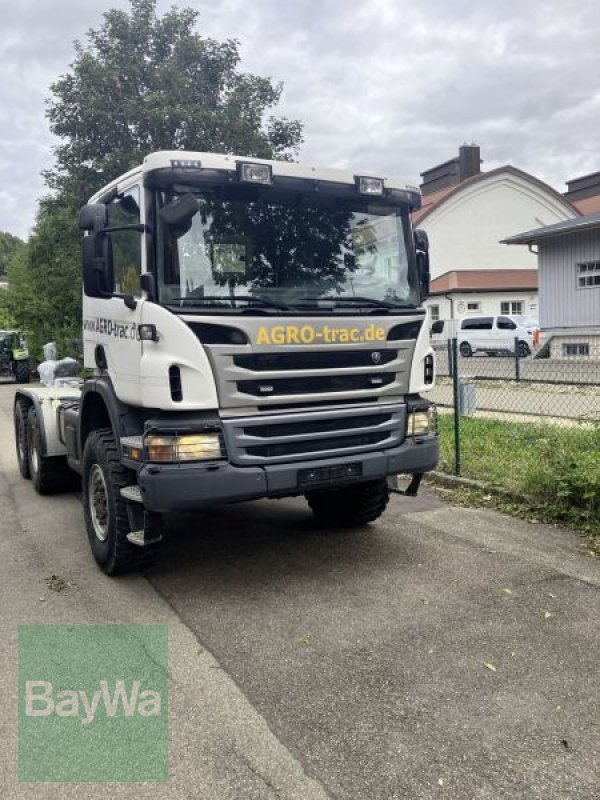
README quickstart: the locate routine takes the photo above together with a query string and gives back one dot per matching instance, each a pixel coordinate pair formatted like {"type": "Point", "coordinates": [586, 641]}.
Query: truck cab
{"type": "Point", "coordinates": [255, 329]}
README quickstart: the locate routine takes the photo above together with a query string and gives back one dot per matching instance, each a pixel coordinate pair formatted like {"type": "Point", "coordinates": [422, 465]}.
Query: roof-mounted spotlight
{"type": "Point", "coordinates": [366, 185]}
{"type": "Point", "coordinates": [249, 172]}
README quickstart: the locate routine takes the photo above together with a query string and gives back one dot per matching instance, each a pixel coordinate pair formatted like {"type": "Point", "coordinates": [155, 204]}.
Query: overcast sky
{"type": "Point", "coordinates": [384, 86]}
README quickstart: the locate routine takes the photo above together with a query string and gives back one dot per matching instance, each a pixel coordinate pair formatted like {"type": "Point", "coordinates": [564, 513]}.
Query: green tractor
{"type": "Point", "coordinates": [14, 357]}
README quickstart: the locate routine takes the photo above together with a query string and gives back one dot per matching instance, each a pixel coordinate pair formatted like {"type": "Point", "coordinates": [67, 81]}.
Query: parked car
{"type": "Point", "coordinates": [496, 335]}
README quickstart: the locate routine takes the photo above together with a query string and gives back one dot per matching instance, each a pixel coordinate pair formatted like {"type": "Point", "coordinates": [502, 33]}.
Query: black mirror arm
{"type": "Point", "coordinates": [136, 226]}
{"type": "Point", "coordinates": [148, 285]}
{"type": "Point", "coordinates": [128, 299]}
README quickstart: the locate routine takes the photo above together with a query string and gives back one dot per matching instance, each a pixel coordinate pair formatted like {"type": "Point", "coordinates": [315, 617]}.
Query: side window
{"type": "Point", "coordinates": [438, 326]}
{"type": "Point", "coordinates": [477, 324]}
{"type": "Point", "coordinates": [506, 324]}
{"type": "Point", "coordinates": [126, 245]}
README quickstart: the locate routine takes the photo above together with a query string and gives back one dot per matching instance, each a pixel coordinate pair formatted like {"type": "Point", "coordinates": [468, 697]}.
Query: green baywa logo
{"type": "Point", "coordinates": [41, 701]}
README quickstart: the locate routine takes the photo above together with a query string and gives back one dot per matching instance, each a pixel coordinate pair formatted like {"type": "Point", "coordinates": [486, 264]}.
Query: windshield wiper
{"type": "Point", "coordinates": [229, 301]}
{"type": "Point", "coordinates": [260, 300]}
{"type": "Point", "coordinates": [355, 300]}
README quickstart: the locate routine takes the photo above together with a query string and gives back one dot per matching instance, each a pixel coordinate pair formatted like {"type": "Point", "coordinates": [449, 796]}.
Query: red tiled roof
{"type": "Point", "coordinates": [487, 280]}
{"type": "Point", "coordinates": [429, 201]}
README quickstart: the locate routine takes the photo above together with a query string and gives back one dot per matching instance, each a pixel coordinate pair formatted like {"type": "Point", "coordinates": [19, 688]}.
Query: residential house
{"type": "Point", "coordinates": [466, 212]}
{"type": "Point", "coordinates": [460, 293]}
{"type": "Point", "coordinates": [568, 255]}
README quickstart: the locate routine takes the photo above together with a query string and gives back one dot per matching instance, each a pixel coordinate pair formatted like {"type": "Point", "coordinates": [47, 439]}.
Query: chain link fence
{"type": "Point", "coordinates": [529, 425]}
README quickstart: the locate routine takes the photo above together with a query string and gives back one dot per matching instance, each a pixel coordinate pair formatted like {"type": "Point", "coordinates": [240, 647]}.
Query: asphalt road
{"type": "Point", "coordinates": [307, 663]}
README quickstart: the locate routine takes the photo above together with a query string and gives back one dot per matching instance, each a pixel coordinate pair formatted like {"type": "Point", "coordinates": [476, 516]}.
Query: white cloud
{"type": "Point", "coordinates": [386, 85]}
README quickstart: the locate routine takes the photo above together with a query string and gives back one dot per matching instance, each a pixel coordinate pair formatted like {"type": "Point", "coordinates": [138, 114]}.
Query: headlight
{"type": "Point", "coordinates": [366, 185]}
{"type": "Point", "coordinates": [189, 447]}
{"type": "Point", "coordinates": [421, 423]}
{"type": "Point", "coordinates": [250, 172]}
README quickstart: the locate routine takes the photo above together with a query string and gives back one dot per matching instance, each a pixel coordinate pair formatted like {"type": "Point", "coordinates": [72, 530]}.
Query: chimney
{"type": "Point", "coordinates": [452, 172]}
{"type": "Point", "coordinates": [469, 161]}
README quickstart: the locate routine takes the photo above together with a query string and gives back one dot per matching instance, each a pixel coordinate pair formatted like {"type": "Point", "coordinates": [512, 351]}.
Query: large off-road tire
{"type": "Point", "coordinates": [465, 350]}
{"type": "Point", "coordinates": [22, 372]}
{"type": "Point", "coordinates": [351, 506]}
{"type": "Point", "coordinates": [22, 436]}
{"type": "Point", "coordinates": [105, 511]}
{"type": "Point", "coordinates": [49, 474]}
{"type": "Point", "coordinates": [523, 350]}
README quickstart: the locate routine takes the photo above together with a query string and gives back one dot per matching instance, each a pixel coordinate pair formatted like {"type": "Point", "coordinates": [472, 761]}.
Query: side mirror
{"type": "Point", "coordinates": [178, 214]}
{"type": "Point", "coordinates": [93, 217]}
{"type": "Point", "coordinates": [96, 251]}
{"type": "Point", "coordinates": [422, 255]}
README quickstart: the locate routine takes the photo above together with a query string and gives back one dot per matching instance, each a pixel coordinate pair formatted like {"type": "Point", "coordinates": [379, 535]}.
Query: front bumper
{"type": "Point", "coordinates": [186, 487]}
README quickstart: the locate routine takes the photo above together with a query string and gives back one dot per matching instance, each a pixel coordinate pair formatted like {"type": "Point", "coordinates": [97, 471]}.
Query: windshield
{"type": "Point", "coordinates": [288, 250]}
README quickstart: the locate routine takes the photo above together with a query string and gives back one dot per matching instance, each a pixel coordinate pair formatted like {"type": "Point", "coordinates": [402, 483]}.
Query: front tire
{"type": "Point", "coordinates": [22, 372]}
{"type": "Point", "coordinates": [104, 509]}
{"type": "Point", "coordinates": [465, 350]}
{"type": "Point", "coordinates": [351, 506]}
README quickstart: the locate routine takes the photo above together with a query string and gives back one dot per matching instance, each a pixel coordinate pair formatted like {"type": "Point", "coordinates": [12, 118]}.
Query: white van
{"type": "Point", "coordinates": [495, 335]}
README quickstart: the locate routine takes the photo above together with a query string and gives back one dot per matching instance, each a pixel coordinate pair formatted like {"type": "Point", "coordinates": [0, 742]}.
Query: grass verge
{"type": "Point", "coordinates": [556, 469]}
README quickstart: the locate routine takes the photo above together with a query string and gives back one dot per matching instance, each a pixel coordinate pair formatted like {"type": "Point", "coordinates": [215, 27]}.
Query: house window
{"type": "Point", "coordinates": [588, 274]}
{"type": "Point", "coordinates": [511, 307]}
{"type": "Point", "coordinates": [435, 313]}
{"type": "Point", "coordinates": [473, 307]}
{"type": "Point", "coordinates": [576, 349]}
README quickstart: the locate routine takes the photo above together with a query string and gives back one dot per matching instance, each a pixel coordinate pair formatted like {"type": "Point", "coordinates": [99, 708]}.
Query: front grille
{"type": "Point", "coordinates": [318, 425]}
{"type": "Point", "coordinates": [317, 404]}
{"type": "Point", "coordinates": [257, 376]}
{"type": "Point", "coordinates": [324, 359]}
{"type": "Point", "coordinates": [314, 385]}
{"type": "Point", "coordinates": [313, 434]}
{"type": "Point", "coordinates": [315, 447]}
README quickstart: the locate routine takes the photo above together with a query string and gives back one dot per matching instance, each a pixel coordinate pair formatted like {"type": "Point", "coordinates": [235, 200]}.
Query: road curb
{"type": "Point", "coordinates": [458, 482]}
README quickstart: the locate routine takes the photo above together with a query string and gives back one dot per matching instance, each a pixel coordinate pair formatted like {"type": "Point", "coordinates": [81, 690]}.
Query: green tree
{"type": "Point", "coordinates": [140, 83]}
{"type": "Point", "coordinates": [44, 294]}
{"type": "Point", "coordinates": [9, 246]}
{"type": "Point", "coordinates": [147, 83]}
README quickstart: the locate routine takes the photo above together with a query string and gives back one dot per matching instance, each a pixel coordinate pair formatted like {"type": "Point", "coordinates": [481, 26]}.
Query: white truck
{"type": "Point", "coordinates": [255, 329]}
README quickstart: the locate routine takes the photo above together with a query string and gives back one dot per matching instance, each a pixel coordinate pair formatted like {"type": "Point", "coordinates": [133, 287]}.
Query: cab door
{"type": "Point", "coordinates": [110, 325]}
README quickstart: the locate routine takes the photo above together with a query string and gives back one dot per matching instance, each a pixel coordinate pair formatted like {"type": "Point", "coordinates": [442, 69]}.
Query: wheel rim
{"type": "Point", "coordinates": [35, 461]}
{"type": "Point", "coordinates": [20, 443]}
{"type": "Point", "coordinates": [98, 503]}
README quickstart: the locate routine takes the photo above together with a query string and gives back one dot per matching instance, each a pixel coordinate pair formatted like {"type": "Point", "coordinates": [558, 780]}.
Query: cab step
{"type": "Point", "coordinates": [139, 540]}
{"type": "Point", "coordinates": [132, 494]}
